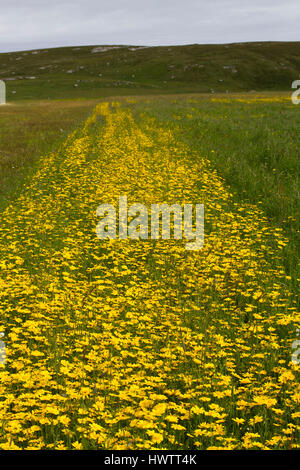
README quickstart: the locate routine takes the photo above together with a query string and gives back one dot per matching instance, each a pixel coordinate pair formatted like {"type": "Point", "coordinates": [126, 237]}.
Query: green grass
{"type": "Point", "coordinates": [254, 145]}
{"type": "Point", "coordinates": [127, 70]}
{"type": "Point", "coordinates": [30, 130]}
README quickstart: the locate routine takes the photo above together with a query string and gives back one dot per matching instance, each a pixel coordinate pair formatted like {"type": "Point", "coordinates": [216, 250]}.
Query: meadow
{"type": "Point", "coordinates": [130, 344]}
{"type": "Point", "coordinates": [93, 71]}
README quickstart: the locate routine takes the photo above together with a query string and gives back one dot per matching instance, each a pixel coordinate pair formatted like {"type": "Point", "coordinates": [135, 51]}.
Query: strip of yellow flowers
{"type": "Point", "coordinates": [128, 344]}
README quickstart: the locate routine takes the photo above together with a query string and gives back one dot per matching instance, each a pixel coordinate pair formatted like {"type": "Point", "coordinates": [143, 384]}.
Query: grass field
{"type": "Point", "coordinates": [30, 129]}
{"type": "Point", "coordinates": [90, 71]}
{"type": "Point", "coordinates": [141, 344]}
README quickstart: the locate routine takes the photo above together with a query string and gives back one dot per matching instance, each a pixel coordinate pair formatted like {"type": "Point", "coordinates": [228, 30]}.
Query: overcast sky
{"type": "Point", "coordinates": [32, 24]}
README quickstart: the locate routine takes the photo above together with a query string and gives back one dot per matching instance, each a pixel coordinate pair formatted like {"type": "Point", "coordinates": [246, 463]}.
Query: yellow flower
{"type": "Point", "coordinates": [238, 420]}
{"type": "Point", "coordinates": [77, 445]}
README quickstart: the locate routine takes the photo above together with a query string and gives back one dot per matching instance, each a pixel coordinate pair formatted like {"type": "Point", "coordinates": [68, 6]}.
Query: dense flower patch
{"type": "Point", "coordinates": [116, 344]}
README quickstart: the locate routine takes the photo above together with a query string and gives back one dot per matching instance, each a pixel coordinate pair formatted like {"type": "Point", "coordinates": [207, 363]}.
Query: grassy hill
{"type": "Point", "coordinates": [93, 71]}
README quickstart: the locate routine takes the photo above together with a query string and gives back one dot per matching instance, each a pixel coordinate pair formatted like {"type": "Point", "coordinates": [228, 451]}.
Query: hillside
{"type": "Point", "coordinates": [90, 71]}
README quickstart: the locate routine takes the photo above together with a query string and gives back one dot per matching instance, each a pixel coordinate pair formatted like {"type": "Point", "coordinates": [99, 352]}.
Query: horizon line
{"type": "Point", "coordinates": [147, 46]}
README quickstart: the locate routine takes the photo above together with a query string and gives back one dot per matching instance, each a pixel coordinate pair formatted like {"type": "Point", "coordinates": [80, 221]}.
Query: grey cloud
{"type": "Point", "coordinates": [28, 24]}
